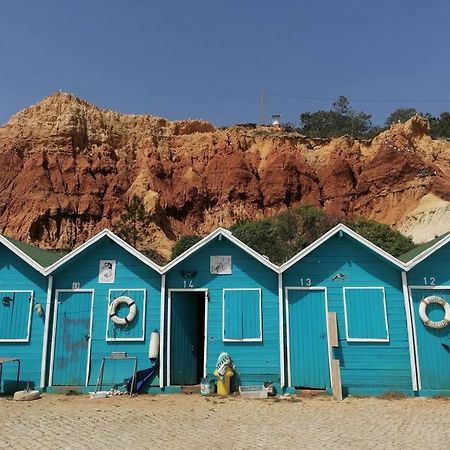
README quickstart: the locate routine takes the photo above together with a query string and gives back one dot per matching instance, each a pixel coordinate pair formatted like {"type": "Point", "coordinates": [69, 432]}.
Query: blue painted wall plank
{"type": "Point", "coordinates": [255, 361]}
{"type": "Point", "coordinates": [130, 273]}
{"type": "Point", "coordinates": [15, 274]}
{"type": "Point", "coordinates": [381, 366]}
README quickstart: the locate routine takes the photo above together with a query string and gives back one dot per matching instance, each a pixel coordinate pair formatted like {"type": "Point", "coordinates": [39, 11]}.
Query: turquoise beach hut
{"type": "Point", "coordinates": [365, 287]}
{"type": "Point", "coordinates": [429, 293]}
{"type": "Point", "coordinates": [221, 296]}
{"type": "Point", "coordinates": [106, 298]}
{"type": "Point", "coordinates": [24, 313]}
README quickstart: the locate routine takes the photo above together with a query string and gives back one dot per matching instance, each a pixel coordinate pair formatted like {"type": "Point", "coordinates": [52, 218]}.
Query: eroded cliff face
{"type": "Point", "coordinates": [69, 168]}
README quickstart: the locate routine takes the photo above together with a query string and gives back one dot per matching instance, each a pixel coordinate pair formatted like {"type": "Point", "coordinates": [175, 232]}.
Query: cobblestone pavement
{"type": "Point", "coordinates": [190, 421]}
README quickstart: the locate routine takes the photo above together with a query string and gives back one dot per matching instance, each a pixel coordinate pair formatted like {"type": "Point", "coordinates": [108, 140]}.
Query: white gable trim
{"type": "Point", "coordinates": [341, 228]}
{"type": "Point", "coordinates": [93, 240]}
{"type": "Point", "coordinates": [228, 235]}
{"type": "Point", "coordinates": [22, 255]}
{"type": "Point", "coordinates": [426, 253]}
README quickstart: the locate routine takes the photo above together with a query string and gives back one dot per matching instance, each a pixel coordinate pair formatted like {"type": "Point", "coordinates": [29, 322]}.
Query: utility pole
{"type": "Point", "coordinates": [261, 118]}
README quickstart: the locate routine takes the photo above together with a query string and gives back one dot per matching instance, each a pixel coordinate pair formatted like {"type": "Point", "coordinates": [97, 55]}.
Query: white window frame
{"type": "Point", "coordinates": [352, 339]}
{"type": "Point", "coordinates": [256, 339]}
{"type": "Point", "coordinates": [140, 338]}
{"type": "Point", "coordinates": [27, 338]}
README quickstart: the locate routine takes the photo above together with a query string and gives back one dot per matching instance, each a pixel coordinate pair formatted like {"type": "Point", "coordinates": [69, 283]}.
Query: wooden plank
{"type": "Point", "coordinates": [336, 379]}
{"type": "Point", "coordinates": [332, 329]}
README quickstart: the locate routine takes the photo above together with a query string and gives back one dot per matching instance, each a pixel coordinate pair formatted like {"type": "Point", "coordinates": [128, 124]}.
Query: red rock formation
{"type": "Point", "coordinates": [69, 167]}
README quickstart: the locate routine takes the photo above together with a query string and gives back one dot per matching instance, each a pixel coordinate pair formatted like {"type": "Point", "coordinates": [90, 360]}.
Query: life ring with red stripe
{"type": "Point", "coordinates": [131, 313]}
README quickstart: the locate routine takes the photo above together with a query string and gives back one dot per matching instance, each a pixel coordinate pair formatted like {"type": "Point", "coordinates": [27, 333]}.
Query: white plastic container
{"type": "Point", "coordinates": [258, 391]}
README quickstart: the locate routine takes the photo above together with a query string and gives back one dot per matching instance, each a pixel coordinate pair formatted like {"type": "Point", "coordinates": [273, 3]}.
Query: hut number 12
{"type": "Point", "coordinates": [429, 281]}
{"type": "Point", "coordinates": [305, 282]}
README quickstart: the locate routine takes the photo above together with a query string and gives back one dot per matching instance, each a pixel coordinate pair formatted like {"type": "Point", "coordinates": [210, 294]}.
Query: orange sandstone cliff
{"type": "Point", "coordinates": [69, 167]}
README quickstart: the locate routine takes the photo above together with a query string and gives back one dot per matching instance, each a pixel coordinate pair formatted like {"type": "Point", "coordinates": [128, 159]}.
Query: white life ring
{"type": "Point", "coordinates": [131, 314]}
{"type": "Point", "coordinates": [423, 313]}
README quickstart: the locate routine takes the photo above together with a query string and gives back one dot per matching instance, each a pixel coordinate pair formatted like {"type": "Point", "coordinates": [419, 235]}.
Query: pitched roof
{"type": "Point", "coordinates": [341, 228]}
{"type": "Point", "coordinates": [422, 252]}
{"type": "Point", "coordinates": [416, 251]}
{"type": "Point", "coordinates": [228, 235]}
{"type": "Point", "coordinates": [43, 257]}
{"type": "Point", "coordinates": [105, 233]}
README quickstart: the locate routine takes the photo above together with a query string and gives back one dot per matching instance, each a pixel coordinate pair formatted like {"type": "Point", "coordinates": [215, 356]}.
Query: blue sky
{"type": "Point", "coordinates": [204, 59]}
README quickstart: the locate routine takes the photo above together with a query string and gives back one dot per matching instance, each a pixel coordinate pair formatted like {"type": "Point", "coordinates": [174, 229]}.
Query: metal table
{"type": "Point", "coordinates": [7, 360]}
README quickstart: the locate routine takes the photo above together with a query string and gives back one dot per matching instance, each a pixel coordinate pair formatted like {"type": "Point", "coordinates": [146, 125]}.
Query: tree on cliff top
{"type": "Point", "coordinates": [400, 115]}
{"type": "Point", "coordinates": [339, 121]}
{"type": "Point", "coordinates": [133, 226]}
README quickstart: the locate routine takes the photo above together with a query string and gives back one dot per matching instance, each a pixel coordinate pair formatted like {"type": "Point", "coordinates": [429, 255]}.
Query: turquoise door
{"type": "Point", "coordinates": [72, 338]}
{"type": "Point", "coordinates": [308, 343]}
{"type": "Point", "coordinates": [186, 338]}
{"type": "Point", "coordinates": [433, 344]}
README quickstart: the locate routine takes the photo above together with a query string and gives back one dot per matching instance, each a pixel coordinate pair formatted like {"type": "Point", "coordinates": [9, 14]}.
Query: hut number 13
{"type": "Point", "coordinates": [305, 282]}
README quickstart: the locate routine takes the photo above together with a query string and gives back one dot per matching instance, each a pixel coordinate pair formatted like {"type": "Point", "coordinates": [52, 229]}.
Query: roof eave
{"type": "Point", "coordinates": [22, 255]}
{"type": "Point", "coordinates": [342, 228]}
{"type": "Point", "coordinates": [227, 234]}
{"type": "Point", "coordinates": [105, 233]}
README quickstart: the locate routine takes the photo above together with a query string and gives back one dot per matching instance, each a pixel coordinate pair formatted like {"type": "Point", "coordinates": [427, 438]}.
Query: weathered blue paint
{"type": "Point", "coordinates": [17, 275]}
{"type": "Point", "coordinates": [256, 362]}
{"type": "Point", "coordinates": [433, 358]}
{"type": "Point", "coordinates": [366, 367]}
{"type": "Point", "coordinates": [73, 314]}
{"type": "Point", "coordinates": [308, 339]}
{"type": "Point", "coordinates": [131, 273]}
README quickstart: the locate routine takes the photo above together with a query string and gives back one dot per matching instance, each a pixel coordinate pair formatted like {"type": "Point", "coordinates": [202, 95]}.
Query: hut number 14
{"type": "Point", "coordinates": [188, 284]}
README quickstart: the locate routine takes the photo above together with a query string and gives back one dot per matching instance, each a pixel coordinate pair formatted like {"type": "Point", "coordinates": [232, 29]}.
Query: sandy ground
{"type": "Point", "coordinates": [190, 421]}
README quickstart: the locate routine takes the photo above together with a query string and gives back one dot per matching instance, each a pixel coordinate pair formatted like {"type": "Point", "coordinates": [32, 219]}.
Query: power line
{"type": "Point", "coordinates": [355, 100]}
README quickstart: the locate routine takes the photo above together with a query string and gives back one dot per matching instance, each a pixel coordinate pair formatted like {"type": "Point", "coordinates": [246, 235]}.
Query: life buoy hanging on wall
{"type": "Point", "coordinates": [423, 313]}
{"type": "Point", "coordinates": [131, 314]}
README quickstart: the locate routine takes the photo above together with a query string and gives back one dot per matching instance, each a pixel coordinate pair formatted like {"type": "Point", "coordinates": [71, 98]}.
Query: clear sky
{"type": "Point", "coordinates": [211, 59]}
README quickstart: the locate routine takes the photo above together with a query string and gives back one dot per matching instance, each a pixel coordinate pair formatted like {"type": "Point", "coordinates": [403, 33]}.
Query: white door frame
{"type": "Point", "coordinates": [55, 316]}
{"type": "Point", "coordinates": [169, 323]}
{"type": "Point", "coordinates": [411, 304]}
{"type": "Point", "coordinates": [288, 351]}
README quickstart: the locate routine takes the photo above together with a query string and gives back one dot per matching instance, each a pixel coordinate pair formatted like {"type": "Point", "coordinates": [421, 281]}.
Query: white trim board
{"type": "Point", "coordinates": [288, 343]}
{"type": "Point", "coordinates": [426, 253]}
{"type": "Point", "coordinates": [409, 327]}
{"type": "Point", "coordinates": [105, 233]}
{"type": "Point", "coordinates": [162, 319]}
{"type": "Point", "coordinates": [169, 323]}
{"type": "Point", "coordinates": [281, 328]}
{"type": "Point", "coordinates": [386, 324]}
{"type": "Point", "coordinates": [257, 339]}
{"type": "Point", "coordinates": [47, 313]}
{"type": "Point", "coordinates": [341, 228]}
{"type": "Point", "coordinates": [30, 311]}
{"type": "Point", "coordinates": [228, 235]}
{"type": "Point", "coordinates": [55, 320]}
{"type": "Point", "coordinates": [22, 255]}
{"type": "Point", "coordinates": [140, 338]}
